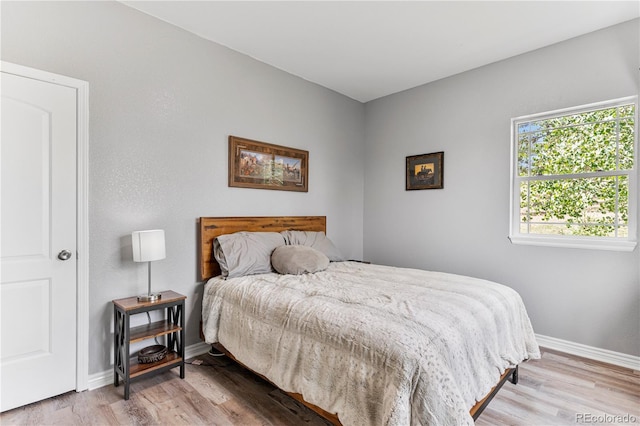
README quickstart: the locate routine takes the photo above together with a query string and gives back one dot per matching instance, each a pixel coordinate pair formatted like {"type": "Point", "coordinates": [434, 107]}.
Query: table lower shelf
{"type": "Point", "coordinates": [137, 369]}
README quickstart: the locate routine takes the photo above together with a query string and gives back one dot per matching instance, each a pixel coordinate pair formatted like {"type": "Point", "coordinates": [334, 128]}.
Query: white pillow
{"type": "Point", "coordinates": [296, 260]}
{"type": "Point", "coordinates": [316, 240]}
{"type": "Point", "coordinates": [245, 253]}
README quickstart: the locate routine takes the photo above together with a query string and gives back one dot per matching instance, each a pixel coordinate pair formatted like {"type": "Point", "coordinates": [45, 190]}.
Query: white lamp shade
{"type": "Point", "coordinates": [148, 245]}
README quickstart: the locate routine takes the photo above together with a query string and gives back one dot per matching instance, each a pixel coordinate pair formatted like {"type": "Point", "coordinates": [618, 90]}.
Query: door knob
{"type": "Point", "coordinates": [64, 255]}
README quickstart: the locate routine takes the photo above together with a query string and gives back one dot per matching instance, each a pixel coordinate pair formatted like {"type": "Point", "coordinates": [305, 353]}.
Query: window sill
{"type": "Point", "coordinates": [580, 243]}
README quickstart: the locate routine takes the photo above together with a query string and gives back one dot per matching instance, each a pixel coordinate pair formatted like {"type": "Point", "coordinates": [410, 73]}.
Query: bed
{"type": "Point", "coordinates": [365, 344]}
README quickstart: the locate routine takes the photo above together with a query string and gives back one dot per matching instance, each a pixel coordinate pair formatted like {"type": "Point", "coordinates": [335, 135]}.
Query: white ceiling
{"type": "Point", "coordinates": [369, 49]}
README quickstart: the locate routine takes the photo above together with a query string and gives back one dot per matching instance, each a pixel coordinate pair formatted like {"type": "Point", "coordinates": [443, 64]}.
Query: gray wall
{"type": "Point", "coordinates": [162, 104]}
{"type": "Point", "coordinates": [586, 296]}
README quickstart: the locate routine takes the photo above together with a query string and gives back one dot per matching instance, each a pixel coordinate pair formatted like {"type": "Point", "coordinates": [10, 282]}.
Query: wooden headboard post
{"type": "Point", "coordinates": [211, 227]}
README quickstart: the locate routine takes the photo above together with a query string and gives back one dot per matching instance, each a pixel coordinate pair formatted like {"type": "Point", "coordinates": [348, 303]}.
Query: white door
{"type": "Point", "coordinates": [38, 240]}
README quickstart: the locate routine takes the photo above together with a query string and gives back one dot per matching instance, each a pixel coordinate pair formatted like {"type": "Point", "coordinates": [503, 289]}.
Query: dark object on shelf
{"type": "Point", "coordinates": [152, 354]}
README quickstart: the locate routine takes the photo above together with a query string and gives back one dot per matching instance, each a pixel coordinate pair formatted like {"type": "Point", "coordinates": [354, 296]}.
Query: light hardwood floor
{"type": "Point", "coordinates": [555, 390]}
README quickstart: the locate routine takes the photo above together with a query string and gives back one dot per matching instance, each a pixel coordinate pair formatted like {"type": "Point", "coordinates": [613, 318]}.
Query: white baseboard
{"type": "Point", "coordinates": [590, 352]}
{"type": "Point", "coordinates": [105, 378]}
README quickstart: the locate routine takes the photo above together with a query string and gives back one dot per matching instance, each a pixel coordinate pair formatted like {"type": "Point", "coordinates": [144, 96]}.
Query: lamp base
{"type": "Point", "coordinates": [151, 297]}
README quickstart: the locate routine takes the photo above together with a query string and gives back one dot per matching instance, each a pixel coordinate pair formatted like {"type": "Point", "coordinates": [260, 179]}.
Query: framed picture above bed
{"type": "Point", "coordinates": [261, 165]}
{"type": "Point", "coordinates": [425, 171]}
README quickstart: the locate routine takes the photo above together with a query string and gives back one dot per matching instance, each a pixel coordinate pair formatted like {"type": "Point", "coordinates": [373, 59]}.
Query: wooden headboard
{"type": "Point", "coordinates": [211, 227]}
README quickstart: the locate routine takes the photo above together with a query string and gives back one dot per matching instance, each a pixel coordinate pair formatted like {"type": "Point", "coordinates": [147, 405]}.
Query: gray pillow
{"type": "Point", "coordinates": [316, 240]}
{"type": "Point", "coordinates": [296, 260]}
{"type": "Point", "coordinates": [245, 253]}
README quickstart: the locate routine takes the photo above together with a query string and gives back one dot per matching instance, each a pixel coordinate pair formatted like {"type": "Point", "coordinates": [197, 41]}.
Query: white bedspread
{"type": "Point", "coordinates": [375, 344]}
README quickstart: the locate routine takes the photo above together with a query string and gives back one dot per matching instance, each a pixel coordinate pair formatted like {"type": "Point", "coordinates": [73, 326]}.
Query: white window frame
{"type": "Point", "coordinates": [571, 241]}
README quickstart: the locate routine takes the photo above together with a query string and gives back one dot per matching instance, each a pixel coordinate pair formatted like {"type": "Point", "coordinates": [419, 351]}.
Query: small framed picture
{"type": "Point", "coordinates": [425, 171]}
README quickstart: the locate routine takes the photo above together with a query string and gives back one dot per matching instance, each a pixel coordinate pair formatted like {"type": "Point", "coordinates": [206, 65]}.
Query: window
{"type": "Point", "coordinates": [573, 177]}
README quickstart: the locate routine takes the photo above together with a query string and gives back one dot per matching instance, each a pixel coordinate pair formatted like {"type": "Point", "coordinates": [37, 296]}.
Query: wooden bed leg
{"type": "Point", "coordinates": [514, 376]}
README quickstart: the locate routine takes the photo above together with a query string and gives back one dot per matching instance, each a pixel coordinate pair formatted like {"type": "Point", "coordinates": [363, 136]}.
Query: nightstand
{"type": "Point", "coordinates": [172, 327]}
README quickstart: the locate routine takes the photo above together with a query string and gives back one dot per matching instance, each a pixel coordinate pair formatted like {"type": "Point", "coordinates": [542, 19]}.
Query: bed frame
{"type": "Point", "coordinates": [211, 227]}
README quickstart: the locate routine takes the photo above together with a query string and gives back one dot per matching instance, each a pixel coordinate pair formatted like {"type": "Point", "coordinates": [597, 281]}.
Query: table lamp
{"type": "Point", "coordinates": [147, 247]}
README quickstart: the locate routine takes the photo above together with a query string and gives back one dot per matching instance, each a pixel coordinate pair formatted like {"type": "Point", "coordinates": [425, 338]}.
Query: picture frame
{"type": "Point", "coordinates": [261, 165]}
{"type": "Point", "coordinates": [425, 171]}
